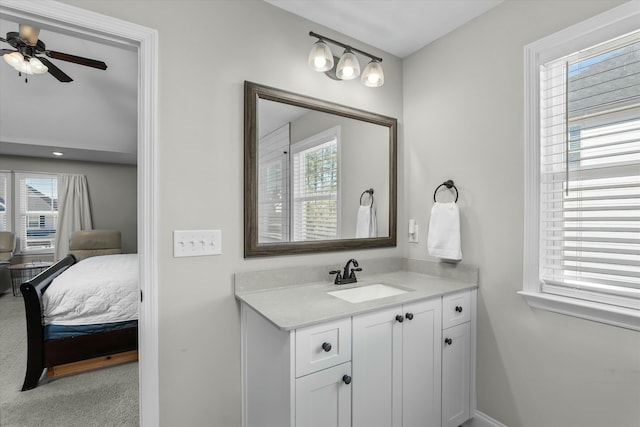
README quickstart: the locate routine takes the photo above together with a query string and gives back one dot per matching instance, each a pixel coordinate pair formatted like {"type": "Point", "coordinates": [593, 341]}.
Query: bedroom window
{"type": "Point", "coordinates": [37, 215]}
{"type": "Point", "coordinates": [315, 187]}
{"type": "Point", "coordinates": [582, 242]}
{"type": "Point", "coordinates": [5, 197]}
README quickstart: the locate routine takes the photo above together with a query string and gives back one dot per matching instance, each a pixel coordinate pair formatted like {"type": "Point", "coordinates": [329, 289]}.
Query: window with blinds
{"type": "Point", "coordinates": [5, 197]}
{"type": "Point", "coordinates": [315, 187]}
{"type": "Point", "coordinates": [37, 215]}
{"type": "Point", "coordinates": [590, 174]}
{"type": "Point", "coordinates": [273, 186]}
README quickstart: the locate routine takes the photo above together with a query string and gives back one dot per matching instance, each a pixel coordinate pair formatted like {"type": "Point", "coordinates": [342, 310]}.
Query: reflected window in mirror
{"type": "Point", "coordinates": [315, 187]}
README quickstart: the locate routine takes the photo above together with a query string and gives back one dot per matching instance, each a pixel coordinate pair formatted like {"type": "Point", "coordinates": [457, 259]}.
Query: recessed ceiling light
{"type": "Point", "coordinates": [58, 153]}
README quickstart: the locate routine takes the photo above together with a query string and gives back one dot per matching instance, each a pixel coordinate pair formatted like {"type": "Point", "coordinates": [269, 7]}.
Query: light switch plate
{"type": "Point", "coordinates": [196, 243]}
{"type": "Point", "coordinates": [413, 237]}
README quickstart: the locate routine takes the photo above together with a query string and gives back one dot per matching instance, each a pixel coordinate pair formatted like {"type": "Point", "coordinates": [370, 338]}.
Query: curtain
{"type": "Point", "coordinates": [74, 210]}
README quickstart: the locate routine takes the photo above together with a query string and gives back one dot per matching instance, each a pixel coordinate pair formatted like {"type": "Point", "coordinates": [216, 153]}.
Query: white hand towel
{"type": "Point", "coordinates": [366, 224]}
{"type": "Point", "coordinates": [444, 231]}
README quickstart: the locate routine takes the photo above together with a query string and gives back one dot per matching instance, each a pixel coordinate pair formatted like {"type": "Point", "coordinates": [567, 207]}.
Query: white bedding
{"type": "Point", "coordinates": [100, 289]}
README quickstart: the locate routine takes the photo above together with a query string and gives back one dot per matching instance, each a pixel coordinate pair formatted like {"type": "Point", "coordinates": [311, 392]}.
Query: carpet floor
{"type": "Point", "coordinates": [105, 397]}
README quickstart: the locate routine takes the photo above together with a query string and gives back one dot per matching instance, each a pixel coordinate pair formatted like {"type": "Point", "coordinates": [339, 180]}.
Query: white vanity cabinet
{"type": "Point", "coordinates": [396, 366]}
{"type": "Point", "coordinates": [411, 365]}
{"type": "Point", "coordinates": [296, 378]}
{"type": "Point", "coordinates": [457, 361]}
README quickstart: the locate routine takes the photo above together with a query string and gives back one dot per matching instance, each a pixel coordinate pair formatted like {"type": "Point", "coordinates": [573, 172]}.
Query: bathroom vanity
{"type": "Point", "coordinates": [397, 348]}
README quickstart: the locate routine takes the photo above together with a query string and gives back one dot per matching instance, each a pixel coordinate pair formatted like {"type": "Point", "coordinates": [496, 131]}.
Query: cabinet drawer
{"type": "Point", "coordinates": [456, 309]}
{"type": "Point", "coordinates": [322, 346]}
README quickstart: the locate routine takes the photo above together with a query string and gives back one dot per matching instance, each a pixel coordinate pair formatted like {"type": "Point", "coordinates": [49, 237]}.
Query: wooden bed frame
{"type": "Point", "coordinates": [73, 354]}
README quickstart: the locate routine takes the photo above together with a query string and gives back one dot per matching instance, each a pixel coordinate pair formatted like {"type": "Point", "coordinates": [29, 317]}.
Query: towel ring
{"type": "Point", "coordinates": [370, 192]}
{"type": "Point", "coordinates": [449, 184]}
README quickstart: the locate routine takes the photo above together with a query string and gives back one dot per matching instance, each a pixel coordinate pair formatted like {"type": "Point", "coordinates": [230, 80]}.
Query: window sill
{"type": "Point", "coordinates": [603, 313]}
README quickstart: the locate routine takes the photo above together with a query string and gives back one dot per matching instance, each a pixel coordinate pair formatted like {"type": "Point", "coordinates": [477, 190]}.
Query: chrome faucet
{"type": "Point", "coordinates": [348, 275]}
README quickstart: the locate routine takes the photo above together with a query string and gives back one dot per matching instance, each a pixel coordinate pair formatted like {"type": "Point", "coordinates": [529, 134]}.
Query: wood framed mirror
{"type": "Point", "coordinates": [318, 176]}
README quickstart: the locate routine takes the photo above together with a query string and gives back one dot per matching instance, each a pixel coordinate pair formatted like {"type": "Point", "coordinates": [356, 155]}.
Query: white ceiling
{"type": "Point", "coordinates": [92, 118]}
{"type": "Point", "coordinates": [400, 27]}
{"type": "Point", "coordinates": [95, 117]}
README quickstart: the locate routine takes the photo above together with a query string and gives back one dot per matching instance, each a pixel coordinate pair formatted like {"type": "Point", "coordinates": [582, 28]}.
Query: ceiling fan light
{"type": "Point", "coordinates": [15, 59]}
{"type": "Point", "coordinates": [372, 75]}
{"type": "Point", "coordinates": [348, 66]}
{"type": "Point", "coordinates": [320, 57]}
{"type": "Point", "coordinates": [37, 67]}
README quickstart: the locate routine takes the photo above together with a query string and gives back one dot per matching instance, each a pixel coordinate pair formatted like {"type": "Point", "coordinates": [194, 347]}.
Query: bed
{"type": "Point", "coordinates": [82, 311]}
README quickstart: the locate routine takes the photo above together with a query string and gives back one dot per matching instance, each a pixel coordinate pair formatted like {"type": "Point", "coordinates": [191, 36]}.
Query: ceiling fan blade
{"type": "Point", "coordinates": [55, 71]}
{"type": "Point", "coordinates": [76, 59]}
{"type": "Point", "coordinates": [4, 51]}
{"type": "Point", "coordinates": [2, 39]}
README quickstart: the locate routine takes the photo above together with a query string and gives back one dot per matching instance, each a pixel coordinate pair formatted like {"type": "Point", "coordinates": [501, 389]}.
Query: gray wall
{"type": "Point", "coordinates": [112, 191]}
{"type": "Point", "coordinates": [200, 177]}
{"type": "Point", "coordinates": [463, 114]}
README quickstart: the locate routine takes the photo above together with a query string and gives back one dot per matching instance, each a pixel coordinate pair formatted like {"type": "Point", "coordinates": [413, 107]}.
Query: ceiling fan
{"type": "Point", "coordinates": [27, 46]}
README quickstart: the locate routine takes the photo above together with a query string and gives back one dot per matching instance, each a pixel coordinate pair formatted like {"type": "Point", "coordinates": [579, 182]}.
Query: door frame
{"type": "Point", "coordinates": [79, 22]}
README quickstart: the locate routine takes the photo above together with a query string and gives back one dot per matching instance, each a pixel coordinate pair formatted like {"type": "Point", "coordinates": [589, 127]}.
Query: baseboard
{"type": "Point", "coordinates": [482, 420]}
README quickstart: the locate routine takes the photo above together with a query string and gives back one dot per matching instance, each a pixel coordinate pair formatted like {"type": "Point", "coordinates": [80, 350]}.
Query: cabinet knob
{"type": "Point", "coordinates": [458, 309]}
{"type": "Point", "coordinates": [399, 318]}
{"type": "Point", "coordinates": [346, 379]}
{"type": "Point", "coordinates": [326, 346]}
{"type": "Point", "coordinates": [409, 316]}
{"type": "Point", "coordinates": [448, 341]}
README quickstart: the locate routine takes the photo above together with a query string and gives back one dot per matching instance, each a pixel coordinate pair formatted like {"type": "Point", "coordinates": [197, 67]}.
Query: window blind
{"type": "Point", "coordinates": [37, 211]}
{"type": "Point", "coordinates": [590, 174]}
{"type": "Point", "coordinates": [5, 196]}
{"type": "Point", "coordinates": [273, 186]}
{"type": "Point", "coordinates": [315, 188]}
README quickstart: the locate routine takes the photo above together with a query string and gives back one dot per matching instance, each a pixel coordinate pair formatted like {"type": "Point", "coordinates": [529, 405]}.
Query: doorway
{"type": "Point", "coordinates": [84, 23]}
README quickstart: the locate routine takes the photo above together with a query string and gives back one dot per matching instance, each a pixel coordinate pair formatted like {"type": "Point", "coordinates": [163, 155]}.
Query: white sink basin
{"type": "Point", "coordinates": [367, 293]}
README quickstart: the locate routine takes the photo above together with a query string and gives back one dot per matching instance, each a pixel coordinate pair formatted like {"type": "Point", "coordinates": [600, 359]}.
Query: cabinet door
{"type": "Point", "coordinates": [455, 375]}
{"type": "Point", "coordinates": [323, 399]}
{"type": "Point", "coordinates": [421, 364]}
{"type": "Point", "coordinates": [377, 369]}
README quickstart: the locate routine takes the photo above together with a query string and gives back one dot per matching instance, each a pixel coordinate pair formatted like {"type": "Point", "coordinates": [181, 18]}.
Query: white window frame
{"type": "Point", "coordinates": [314, 141]}
{"type": "Point", "coordinates": [8, 199]}
{"type": "Point", "coordinates": [606, 26]}
{"type": "Point", "coordinates": [17, 214]}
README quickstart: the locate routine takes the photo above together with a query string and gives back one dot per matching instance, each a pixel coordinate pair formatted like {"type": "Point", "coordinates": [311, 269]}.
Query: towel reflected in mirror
{"type": "Point", "coordinates": [367, 224]}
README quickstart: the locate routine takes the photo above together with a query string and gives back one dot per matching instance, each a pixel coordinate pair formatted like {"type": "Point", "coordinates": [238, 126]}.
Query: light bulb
{"type": "Point", "coordinates": [319, 62]}
{"type": "Point", "coordinates": [37, 67]}
{"type": "Point", "coordinates": [348, 67]}
{"type": "Point", "coordinates": [320, 57]}
{"type": "Point", "coordinates": [15, 59]}
{"type": "Point", "coordinates": [373, 75]}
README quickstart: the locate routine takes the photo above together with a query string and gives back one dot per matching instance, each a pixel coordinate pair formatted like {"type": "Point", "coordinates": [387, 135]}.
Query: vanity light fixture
{"type": "Point", "coordinates": [347, 67]}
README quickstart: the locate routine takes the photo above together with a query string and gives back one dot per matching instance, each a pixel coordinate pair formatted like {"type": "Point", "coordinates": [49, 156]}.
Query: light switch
{"type": "Point", "coordinates": [197, 243]}
{"type": "Point", "coordinates": [414, 231]}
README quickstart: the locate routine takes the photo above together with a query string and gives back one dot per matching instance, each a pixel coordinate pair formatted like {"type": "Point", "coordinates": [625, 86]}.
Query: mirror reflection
{"type": "Point", "coordinates": [315, 175]}
{"type": "Point", "coordinates": [319, 176]}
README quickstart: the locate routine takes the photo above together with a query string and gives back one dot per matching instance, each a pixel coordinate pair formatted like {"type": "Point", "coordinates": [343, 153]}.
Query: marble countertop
{"type": "Point", "coordinates": [298, 305]}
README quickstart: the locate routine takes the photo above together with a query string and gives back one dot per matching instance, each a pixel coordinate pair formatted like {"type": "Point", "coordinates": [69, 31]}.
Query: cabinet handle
{"type": "Point", "coordinates": [448, 341]}
{"type": "Point", "coordinates": [409, 316]}
{"type": "Point", "coordinates": [459, 309]}
{"type": "Point", "coordinates": [346, 379]}
{"type": "Point", "coordinates": [326, 346]}
{"type": "Point", "coordinates": [399, 318]}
